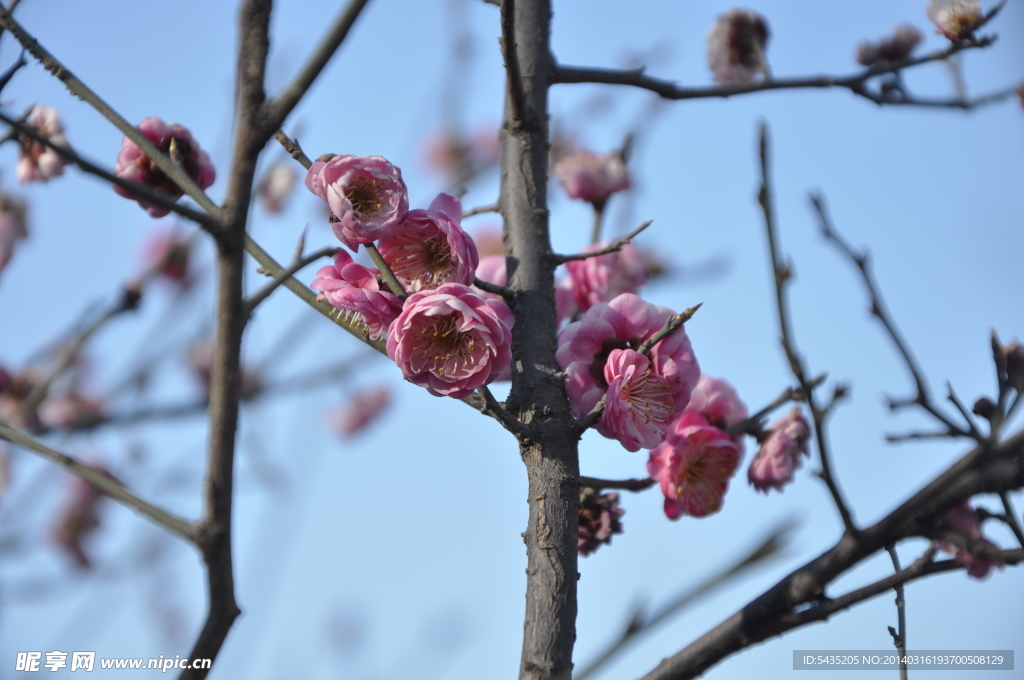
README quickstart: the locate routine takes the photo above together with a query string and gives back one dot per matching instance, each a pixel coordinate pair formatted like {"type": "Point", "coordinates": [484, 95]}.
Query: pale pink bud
{"type": "Point", "coordinates": [693, 466]}
{"type": "Point", "coordinates": [69, 412]}
{"type": "Point", "coordinates": [177, 142]}
{"type": "Point", "coordinates": [366, 194]}
{"type": "Point", "coordinates": [430, 248]}
{"type": "Point", "coordinates": [362, 410]}
{"type": "Point", "coordinates": [640, 404]}
{"type": "Point", "coordinates": [451, 340]}
{"type": "Point", "coordinates": [600, 519]}
{"type": "Point", "coordinates": [964, 520]}
{"type": "Point", "coordinates": [605, 277]}
{"type": "Point", "coordinates": [736, 45]}
{"type": "Point", "coordinates": [357, 289]}
{"type": "Point", "coordinates": [165, 252]}
{"type": "Point", "coordinates": [276, 186]}
{"type": "Point", "coordinates": [38, 162]}
{"type": "Point", "coordinates": [624, 323]}
{"type": "Point", "coordinates": [12, 226]}
{"type": "Point", "coordinates": [955, 19]}
{"type": "Point", "coordinates": [780, 454]}
{"type": "Point", "coordinates": [78, 518]}
{"type": "Point", "coordinates": [589, 177]}
{"type": "Point", "coordinates": [896, 47]}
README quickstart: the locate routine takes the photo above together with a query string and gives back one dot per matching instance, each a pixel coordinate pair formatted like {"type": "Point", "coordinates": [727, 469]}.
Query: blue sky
{"type": "Point", "coordinates": [405, 542]}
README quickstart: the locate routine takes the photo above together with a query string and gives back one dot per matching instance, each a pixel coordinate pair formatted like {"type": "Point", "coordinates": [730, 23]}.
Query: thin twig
{"type": "Point", "coordinates": [598, 484]}
{"type": "Point", "coordinates": [9, 73]}
{"type": "Point", "coordinates": [754, 421]}
{"type": "Point", "coordinates": [173, 171]}
{"type": "Point", "coordinates": [104, 483]}
{"type": "Point", "coordinates": [488, 287]}
{"type": "Point", "coordinates": [479, 210]}
{"type": "Point", "coordinates": [918, 436]}
{"type": "Point", "coordinates": [781, 275]}
{"type": "Point", "coordinates": [1011, 517]}
{"type": "Point", "coordinates": [899, 637]}
{"type": "Point", "coordinates": [385, 272]}
{"type": "Point", "coordinates": [491, 407]}
{"type": "Point", "coordinates": [294, 150]}
{"type": "Point", "coordinates": [880, 311]}
{"type": "Point", "coordinates": [612, 247]}
{"type": "Point", "coordinates": [263, 293]}
{"type": "Point", "coordinates": [963, 411]}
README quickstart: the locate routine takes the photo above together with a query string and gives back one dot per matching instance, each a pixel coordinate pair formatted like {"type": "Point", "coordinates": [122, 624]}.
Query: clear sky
{"type": "Point", "coordinates": [398, 554]}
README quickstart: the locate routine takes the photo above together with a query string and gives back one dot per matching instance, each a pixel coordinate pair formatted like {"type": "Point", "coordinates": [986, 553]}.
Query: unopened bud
{"type": "Point", "coordinates": [984, 408]}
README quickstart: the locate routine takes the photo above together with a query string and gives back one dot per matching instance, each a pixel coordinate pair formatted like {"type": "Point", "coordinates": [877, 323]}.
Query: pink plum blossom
{"type": "Point", "coordinates": [693, 466]}
{"type": "Point", "coordinates": [451, 340]}
{"type": "Point", "coordinates": [780, 454]}
{"type": "Point", "coordinates": [717, 401]}
{"type": "Point", "coordinates": [736, 45]}
{"type": "Point", "coordinates": [430, 248]}
{"type": "Point", "coordinates": [177, 142]}
{"type": "Point", "coordinates": [589, 177]}
{"type": "Point", "coordinates": [276, 186]}
{"type": "Point", "coordinates": [492, 269]}
{"type": "Point", "coordinates": [955, 19]}
{"type": "Point", "coordinates": [585, 346]}
{"type": "Point", "coordinates": [12, 226]}
{"type": "Point", "coordinates": [604, 277]}
{"type": "Point", "coordinates": [357, 289]}
{"type": "Point", "coordinates": [600, 518]}
{"type": "Point", "coordinates": [38, 162]}
{"type": "Point", "coordinates": [366, 194]}
{"type": "Point", "coordinates": [964, 520]}
{"type": "Point", "coordinates": [640, 404]}
{"type": "Point", "coordinates": [896, 47]}
{"type": "Point", "coordinates": [362, 410]}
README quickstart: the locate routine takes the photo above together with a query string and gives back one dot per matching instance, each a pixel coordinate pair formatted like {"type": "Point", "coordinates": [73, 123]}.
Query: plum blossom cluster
{"type": "Point", "coordinates": [590, 177]}
{"type": "Point", "coordinates": [38, 162]}
{"type": "Point", "coordinates": [955, 19]}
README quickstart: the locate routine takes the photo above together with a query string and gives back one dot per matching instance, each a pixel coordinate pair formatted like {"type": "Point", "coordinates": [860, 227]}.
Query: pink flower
{"type": "Point", "coordinates": [12, 226]}
{"type": "Point", "coordinates": [364, 408]}
{"type": "Point", "coordinates": [779, 457]}
{"type": "Point", "coordinates": [693, 466]}
{"type": "Point", "coordinates": [166, 251]}
{"type": "Point", "coordinates": [276, 186]}
{"type": "Point", "coordinates": [356, 289]}
{"type": "Point", "coordinates": [640, 404]}
{"type": "Point", "coordinates": [736, 45]}
{"type": "Point", "coordinates": [38, 163]}
{"type": "Point", "coordinates": [964, 519]}
{"type": "Point", "coordinates": [450, 340]}
{"type": "Point", "coordinates": [429, 248]}
{"type": "Point", "coordinates": [955, 19]}
{"type": "Point", "coordinates": [69, 412]}
{"type": "Point", "coordinates": [602, 278]}
{"type": "Point", "coordinates": [626, 322]}
{"type": "Point", "coordinates": [894, 48]}
{"type": "Point", "coordinates": [366, 194]}
{"type": "Point", "coordinates": [492, 269]}
{"type": "Point", "coordinates": [589, 177]}
{"type": "Point", "coordinates": [599, 519]}
{"type": "Point", "coordinates": [78, 518]}
{"type": "Point", "coordinates": [717, 401]}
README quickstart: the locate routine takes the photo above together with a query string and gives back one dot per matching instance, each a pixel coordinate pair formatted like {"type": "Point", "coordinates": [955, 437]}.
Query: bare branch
{"type": "Point", "coordinates": [294, 150]}
{"type": "Point", "coordinates": [491, 407]}
{"type": "Point", "coordinates": [1011, 517]}
{"type": "Point", "coordinates": [263, 293]}
{"type": "Point", "coordinates": [751, 424]}
{"type": "Point", "coordinates": [613, 247]}
{"type": "Point", "coordinates": [621, 484]}
{"type": "Point", "coordinates": [899, 637]}
{"type": "Point", "coordinates": [108, 485]}
{"type": "Point", "coordinates": [493, 207]}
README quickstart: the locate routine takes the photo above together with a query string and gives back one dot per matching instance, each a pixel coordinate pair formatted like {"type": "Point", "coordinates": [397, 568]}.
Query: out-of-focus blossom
{"type": "Point", "coordinates": [605, 277]}
{"type": "Point", "coordinates": [69, 412]}
{"type": "Point", "coordinates": [366, 194]}
{"type": "Point", "coordinates": [451, 340]}
{"type": "Point", "coordinates": [165, 252]}
{"type": "Point", "coordinates": [600, 518]}
{"type": "Point", "coordinates": [488, 241]}
{"type": "Point", "coordinates": [177, 142]}
{"type": "Point", "coordinates": [459, 157]}
{"type": "Point", "coordinates": [357, 289]}
{"type": "Point", "coordinates": [964, 519]}
{"type": "Point", "coordinates": [896, 47]}
{"type": "Point", "coordinates": [362, 410]}
{"type": "Point", "coordinates": [38, 162]}
{"type": "Point", "coordinates": [640, 404]}
{"type": "Point", "coordinates": [717, 401]}
{"type": "Point", "coordinates": [1014, 357]}
{"type": "Point", "coordinates": [492, 269]}
{"type": "Point", "coordinates": [693, 466]}
{"type": "Point", "coordinates": [12, 226]}
{"type": "Point", "coordinates": [430, 248]}
{"type": "Point", "coordinates": [955, 19]}
{"type": "Point", "coordinates": [199, 357]}
{"type": "Point", "coordinates": [780, 454]}
{"type": "Point", "coordinates": [276, 186]}
{"type": "Point", "coordinates": [589, 177]}
{"type": "Point", "coordinates": [736, 47]}
{"type": "Point", "coordinates": [626, 322]}
{"type": "Point", "coordinates": [78, 518]}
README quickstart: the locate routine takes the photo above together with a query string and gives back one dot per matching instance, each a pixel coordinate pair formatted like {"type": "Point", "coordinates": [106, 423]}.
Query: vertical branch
{"type": "Point", "coordinates": [899, 639]}
{"type": "Point", "coordinates": [549, 444]}
{"type": "Point", "coordinates": [214, 530]}
{"type": "Point", "coordinates": [781, 274]}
